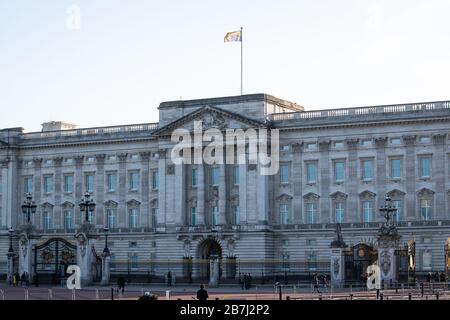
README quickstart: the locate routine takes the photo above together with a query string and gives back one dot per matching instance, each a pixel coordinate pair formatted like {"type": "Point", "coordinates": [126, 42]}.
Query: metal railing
{"type": "Point", "coordinates": [361, 111]}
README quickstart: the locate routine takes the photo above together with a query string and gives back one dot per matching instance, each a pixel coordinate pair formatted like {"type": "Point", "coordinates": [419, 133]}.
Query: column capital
{"type": "Point", "coordinates": [145, 155]}
{"type": "Point", "coordinates": [439, 138]}
{"type": "Point", "coordinates": [297, 146]}
{"type": "Point", "coordinates": [57, 161]}
{"type": "Point", "coordinates": [324, 145]}
{"type": "Point", "coordinates": [122, 156]}
{"type": "Point", "coordinates": [100, 158]}
{"type": "Point", "coordinates": [352, 143]}
{"type": "Point", "coordinates": [409, 140]}
{"type": "Point", "coordinates": [37, 162]}
{"type": "Point", "coordinates": [381, 141]}
{"type": "Point", "coordinates": [4, 162]}
{"type": "Point", "coordinates": [78, 160]}
{"type": "Point", "coordinates": [162, 153]}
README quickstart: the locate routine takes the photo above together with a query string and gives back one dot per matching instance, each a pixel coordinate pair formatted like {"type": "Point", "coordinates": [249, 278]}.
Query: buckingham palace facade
{"type": "Point", "coordinates": [335, 166]}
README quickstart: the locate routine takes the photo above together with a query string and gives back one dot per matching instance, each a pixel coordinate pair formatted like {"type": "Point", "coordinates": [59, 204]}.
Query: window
{"type": "Point", "coordinates": [134, 261]}
{"type": "Point", "coordinates": [134, 156]}
{"type": "Point", "coordinates": [154, 217]}
{"type": "Point", "coordinates": [311, 172]}
{"type": "Point", "coordinates": [48, 162]}
{"type": "Point", "coordinates": [339, 212]}
{"type": "Point", "coordinates": [28, 185]}
{"type": "Point", "coordinates": [89, 182]}
{"type": "Point", "coordinates": [311, 258]}
{"type": "Point", "coordinates": [339, 171]}
{"type": "Point", "coordinates": [396, 141]}
{"type": "Point", "coordinates": [134, 181]}
{"type": "Point", "coordinates": [28, 163]}
{"type": "Point", "coordinates": [194, 177]}
{"type": "Point", "coordinates": [285, 262]}
{"type": "Point", "coordinates": [424, 139]}
{"type": "Point", "coordinates": [111, 158]}
{"type": "Point", "coordinates": [90, 159]}
{"type": "Point", "coordinates": [133, 217]}
{"type": "Point", "coordinates": [48, 184]}
{"type": "Point", "coordinates": [425, 167]}
{"type": "Point", "coordinates": [311, 213]}
{"type": "Point", "coordinates": [426, 260]}
{"type": "Point", "coordinates": [338, 144]}
{"type": "Point", "coordinates": [235, 217]}
{"type": "Point", "coordinates": [399, 206]}
{"type": "Point", "coordinates": [366, 142]}
{"type": "Point", "coordinates": [68, 219]}
{"type": "Point", "coordinates": [284, 214]}
{"type": "Point", "coordinates": [68, 160]}
{"type": "Point", "coordinates": [311, 146]}
{"type": "Point", "coordinates": [367, 207]}
{"type": "Point", "coordinates": [425, 209]}
{"type": "Point", "coordinates": [284, 148]}
{"type": "Point", "coordinates": [215, 176]}
{"type": "Point", "coordinates": [111, 218]}
{"type": "Point", "coordinates": [46, 221]}
{"type": "Point", "coordinates": [284, 173]}
{"type": "Point", "coordinates": [367, 170]}
{"type": "Point", "coordinates": [396, 168]}
{"type": "Point", "coordinates": [155, 180]}
{"type": "Point", "coordinates": [193, 216]}
{"type": "Point", "coordinates": [236, 175]}
{"type": "Point", "coordinates": [214, 215]}
{"type": "Point", "coordinates": [68, 183]}
{"type": "Point", "coordinates": [111, 181]}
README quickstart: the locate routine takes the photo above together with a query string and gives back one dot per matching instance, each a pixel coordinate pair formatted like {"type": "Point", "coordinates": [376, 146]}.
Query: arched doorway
{"type": "Point", "coordinates": [208, 249]}
{"type": "Point", "coordinates": [357, 259]}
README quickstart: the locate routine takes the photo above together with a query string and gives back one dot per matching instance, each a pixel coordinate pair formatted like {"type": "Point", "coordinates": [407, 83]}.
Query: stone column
{"type": "Point", "coordinates": [26, 243]}
{"type": "Point", "coordinates": [10, 266]}
{"type": "Point", "coordinates": [214, 271]}
{"type": "Point", "coordinates": [324, 163]}
{"type": "Point", "coordinates": [145, 210]}
{"type": "Point", "coordinates": [222, 203]}
{"type": "Point", "coordinates": [58, 192]}
{"type": "Point", "coordinates": [242, 193]}
{"type": "Point", "coordinates": [352, 185]}
{"type": "Point", "coordinates": [297, 182]}
{"type": "Point", "coordinates": [262, 203]}
{"type": "Point", "coordinates": [411, 173]}
{"type": "Point", "coordinates": [180, 192]}
{"type": "Point", "coordinates": [10, 197]}
{"type": "Point", "coordinates": [438, 172]}
{"type": "Point", "coordinates": [200, 194]}
{"type": "Point", "coordinates": [37, 180]}
{"type": "Point", "coordinates": [4, 164]}
{"type": "Point", "coordinates": [100, 218]}
{"type": "Point", "coordinates": [122, 207]}
{"type": "Point", "coordinates": [79, 188]}
{"type": "Point", "coordinates": [381, 173]}
{"type": "Point", "coordinates": [162, 187]}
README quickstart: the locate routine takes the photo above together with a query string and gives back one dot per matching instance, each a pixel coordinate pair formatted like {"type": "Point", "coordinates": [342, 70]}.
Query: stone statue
{"type": "Point", "coordinates": [338, 241]}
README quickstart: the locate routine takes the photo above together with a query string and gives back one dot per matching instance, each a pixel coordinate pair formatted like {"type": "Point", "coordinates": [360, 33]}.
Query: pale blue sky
{"type": "Point", "coordinates": [129, 56]}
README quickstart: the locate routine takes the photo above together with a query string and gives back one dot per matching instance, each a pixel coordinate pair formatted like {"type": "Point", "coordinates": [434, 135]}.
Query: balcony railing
{"type": "Point", "coordinates": [361, 111]}
{"type": "Point", "coordinates": [90, 131]}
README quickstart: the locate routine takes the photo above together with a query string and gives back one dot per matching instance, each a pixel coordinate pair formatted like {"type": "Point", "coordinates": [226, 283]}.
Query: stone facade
{"type": "Point", "coordinates": [340, 164]}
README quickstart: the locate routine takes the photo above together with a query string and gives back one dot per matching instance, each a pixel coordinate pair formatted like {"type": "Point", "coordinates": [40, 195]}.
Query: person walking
{"type": "Point", "coordinates": [121, 284]}
{"type": "Point", "coordinates": [202, 294]}
{"type": "Point", "coordinates": [316, 283]}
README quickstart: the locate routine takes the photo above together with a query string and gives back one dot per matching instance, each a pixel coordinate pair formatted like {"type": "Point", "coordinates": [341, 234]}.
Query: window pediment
{"type": "Point", "coordinates": [47, 205]}
{"type": "Point", "coordinates": [338, 196]}
{"type": "Point", "coordinates": [311, 196]}
{"type": "Point", "coordinates": [395, 193]}
{"type": "Point", "coordinates": [111, 203]}
{"type": "Point", "coordinates": [133, 203]}
{"type": "Point", "coordinates": [425, 192]}
{"type": "Point", "coordinates": [367, 194]}
{"type": "Point", "coordinates": [284, 197]}
{"type": "Point", "coordinates": [68, 204]}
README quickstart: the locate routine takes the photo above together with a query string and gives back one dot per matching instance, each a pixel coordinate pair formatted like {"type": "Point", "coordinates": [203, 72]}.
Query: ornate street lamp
{"type": "Point", "coordinates": [87, 205]}
{"type": "Point", "coordinates": [29, 207]}
{"type": "Point", "coordinates": [388, 210]}
{"type": "Point", "coordinates": [106, 249]}
{"type": "Point", "coordinates": [11, 233]}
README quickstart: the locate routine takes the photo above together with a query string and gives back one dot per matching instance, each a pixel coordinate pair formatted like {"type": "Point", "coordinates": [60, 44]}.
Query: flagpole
{"type": "Point", "coordinates": [242, 77]}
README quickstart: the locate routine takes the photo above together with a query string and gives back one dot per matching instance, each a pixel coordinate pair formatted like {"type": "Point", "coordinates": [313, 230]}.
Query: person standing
{"type": "Point", "coordinates": [202, 294]}
{"type": "Point", "coordinates": [169, 279]}
{"type": "Point", "coordinates": [121, 284]}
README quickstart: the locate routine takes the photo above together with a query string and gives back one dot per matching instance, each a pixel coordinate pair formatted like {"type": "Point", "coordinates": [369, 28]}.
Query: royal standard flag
{"type": "Point", "coordinates": [233, 36]}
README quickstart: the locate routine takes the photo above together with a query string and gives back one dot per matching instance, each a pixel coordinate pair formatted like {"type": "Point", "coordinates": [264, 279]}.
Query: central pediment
{"type": "Point", "coordinates": [210, 117]}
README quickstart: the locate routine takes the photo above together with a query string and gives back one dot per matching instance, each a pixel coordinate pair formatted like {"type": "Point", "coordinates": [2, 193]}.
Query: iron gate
{"type": "Point", "coordinates": [52, 258]}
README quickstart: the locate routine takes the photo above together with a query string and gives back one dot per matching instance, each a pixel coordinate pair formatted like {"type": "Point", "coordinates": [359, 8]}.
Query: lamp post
{"type": "Point", "coordinates": [106, 249]}
{"type": "Point", "coordinates": [11, 233]}
{"type": "Point", "coordinates": [10, 255]}
{"type": "Point", "coordinates": [29, 207]}
{"type": "Point", "coordinates": [388, 210]}
{"type": "Point", "coordinates": [87, 205]}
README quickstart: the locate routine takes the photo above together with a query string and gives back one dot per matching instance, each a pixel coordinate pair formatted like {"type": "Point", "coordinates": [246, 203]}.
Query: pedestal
{"type": "Point", "coordinates": [105, 269]}
{"type": "Point", "coordinates": [85, 257]}
{"type": "Point", "coordinates": [337, 267]}
{"type": "Point", "coordinates": [25, 256]}
{"type": "Point", "coordinates": [387, 260]}
{"type": "Point", "coordinates": [10, 266]}
{"type": "Point", "coordinates": [214, 272]}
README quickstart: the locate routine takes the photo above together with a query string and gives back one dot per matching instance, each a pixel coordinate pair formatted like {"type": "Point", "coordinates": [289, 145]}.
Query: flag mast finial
{"type": "Point", "coordinates": [242, 70]}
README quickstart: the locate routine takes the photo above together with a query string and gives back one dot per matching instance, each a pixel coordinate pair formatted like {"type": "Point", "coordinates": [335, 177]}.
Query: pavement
{"type": "Point", "coordinates": [261, 292]}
